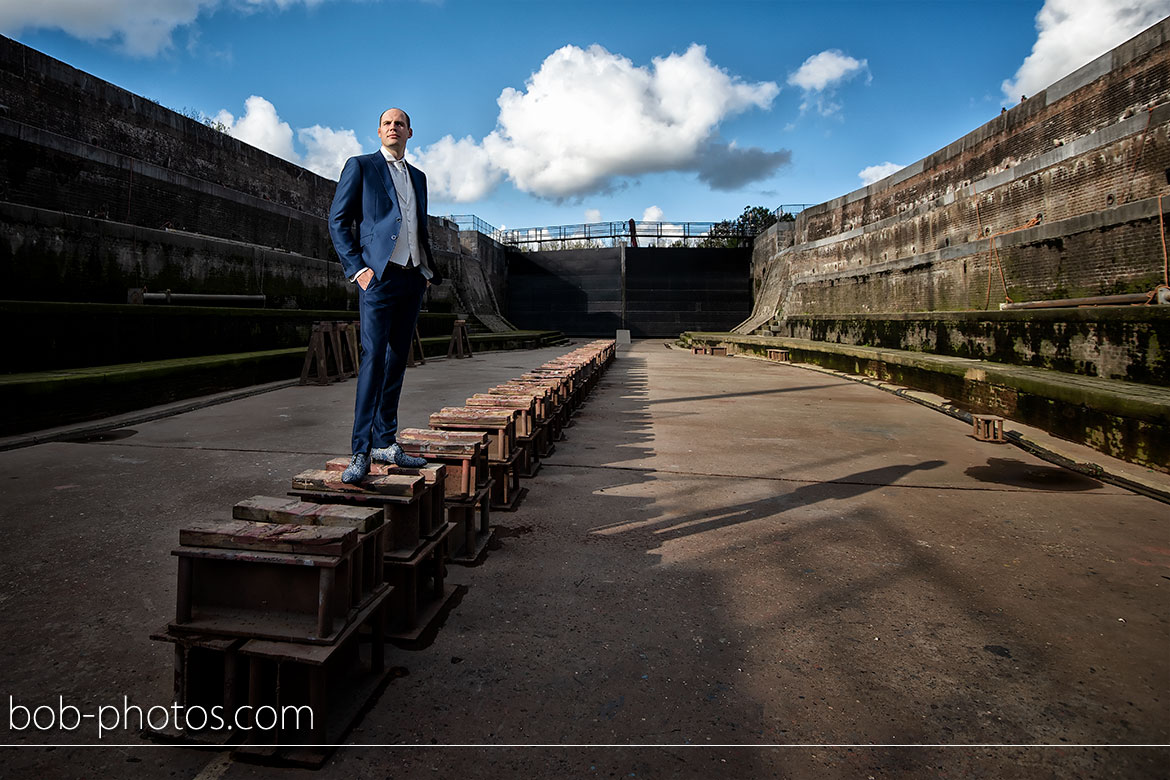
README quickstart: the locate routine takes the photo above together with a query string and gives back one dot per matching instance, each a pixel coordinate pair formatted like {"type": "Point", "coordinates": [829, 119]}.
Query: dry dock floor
{"type": "Point", "coordinates": [724, 554]}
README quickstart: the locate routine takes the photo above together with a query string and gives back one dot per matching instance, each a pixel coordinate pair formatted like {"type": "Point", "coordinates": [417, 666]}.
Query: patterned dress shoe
{"type": "Point", "coordinates": [394, 454]}
{"type": "Point", "coordinates": [357, 469]}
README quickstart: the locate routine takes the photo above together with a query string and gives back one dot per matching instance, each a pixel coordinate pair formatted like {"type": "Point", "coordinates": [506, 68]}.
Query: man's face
{"type": "Point", "coordinates": [394, 129]}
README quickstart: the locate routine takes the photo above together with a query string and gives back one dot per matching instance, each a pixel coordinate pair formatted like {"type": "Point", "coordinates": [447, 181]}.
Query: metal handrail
{"type": "Point", "coordinates": [610, 231]}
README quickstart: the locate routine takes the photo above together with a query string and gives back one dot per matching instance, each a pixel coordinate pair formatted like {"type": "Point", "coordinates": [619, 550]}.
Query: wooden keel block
{"type": "Point", "coordinates": [261, 509]}
{"type": "Point", "coordinates": [496, 423]}
{"type": "Point", "coordinates": [270, 537]}
{"type": "Point", "coordinates": [441, 442]}
{"type": "Point", "coordinates": [389, 485]}
{"type": "Point", "coordinates": [464, 453]}
{"type": "Point", "coordinates": [267, 509]}
{"type": "Point", "coordinates": [780, 355]}
{"type": "Point", "coordinates": [432, 473]}
{"type": "Point", "coordinates": [460, 344]}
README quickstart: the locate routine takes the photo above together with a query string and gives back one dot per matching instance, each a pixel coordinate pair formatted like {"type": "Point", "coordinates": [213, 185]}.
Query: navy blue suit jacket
{"type": "Point", "coordinates": [365, 197]}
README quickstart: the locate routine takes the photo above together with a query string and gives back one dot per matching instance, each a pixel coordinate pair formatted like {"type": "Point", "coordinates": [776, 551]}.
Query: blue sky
{"type": "Point", "coordinates": [547, 113]}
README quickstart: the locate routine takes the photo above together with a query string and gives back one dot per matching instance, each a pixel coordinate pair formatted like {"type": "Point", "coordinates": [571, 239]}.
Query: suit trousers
{"type": "Point", "coordinates": [389, 309]}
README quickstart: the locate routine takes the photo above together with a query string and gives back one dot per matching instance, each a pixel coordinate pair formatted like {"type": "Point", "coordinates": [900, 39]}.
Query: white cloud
{"type": "Point", "coordinates": [589, 116]}
{"type": "Point", "coordinates": [878, 172]}
{"type": "Point", "coordinates": [326, 149]}
{"type": "Point", "coordinates": [460, 171]}
{"type": "Point", "coordinates": [825, 70]}
{"type": "Point", "coordinates": [652, 214]}
{"type": "Point", "coordinates": [139, 28]}
{"type": "Point", "coordinates": [1072, 33]}
{"type": "Point", "coordinates": [592, 215]}
{"type": "Point", "coordinates": [261, 126]}
{"type": "Point", "coordinates": [820, 75]}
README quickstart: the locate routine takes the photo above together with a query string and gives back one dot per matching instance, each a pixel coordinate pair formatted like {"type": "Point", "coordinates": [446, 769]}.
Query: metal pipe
{"type": "Point", "coordinates": [1162, 297]}
{"type": "Point", "coordinates": [204, 299]}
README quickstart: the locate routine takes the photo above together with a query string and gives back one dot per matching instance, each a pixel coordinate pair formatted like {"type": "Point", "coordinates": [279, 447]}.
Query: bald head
{"type": "Point", "coordinates": [405, 115]}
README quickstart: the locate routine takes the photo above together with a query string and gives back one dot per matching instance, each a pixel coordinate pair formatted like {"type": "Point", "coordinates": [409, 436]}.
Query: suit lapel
{"type": "Point", "coordinates": [383, 169]}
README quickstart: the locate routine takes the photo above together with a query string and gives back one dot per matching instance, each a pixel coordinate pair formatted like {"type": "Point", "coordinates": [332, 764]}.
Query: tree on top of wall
{"type": "Point", "coordinates": [739, 232]}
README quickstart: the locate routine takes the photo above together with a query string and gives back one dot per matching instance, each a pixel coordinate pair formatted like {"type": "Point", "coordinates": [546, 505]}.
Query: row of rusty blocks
{"type": "Point", "coordinates": [290, 603]}
{"type": "Point", "coordinates": [499, 437]}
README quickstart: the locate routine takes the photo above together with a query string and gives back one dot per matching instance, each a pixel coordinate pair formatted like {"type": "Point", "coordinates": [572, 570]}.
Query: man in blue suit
{"type": "Point", "coordinates": [378, 223]}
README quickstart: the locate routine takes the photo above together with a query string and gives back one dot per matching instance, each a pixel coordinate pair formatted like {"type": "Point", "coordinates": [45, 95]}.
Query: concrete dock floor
{"type": "Point", "coordinates": [724, 552]}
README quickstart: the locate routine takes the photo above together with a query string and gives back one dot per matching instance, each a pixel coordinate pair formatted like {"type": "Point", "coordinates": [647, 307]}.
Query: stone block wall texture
{"type": "Point", "coordinates": [163, 201]}
{"type": "Point", "coordinates": [1057, 197]}
{"type": "Point", "coordinates": [1114, 342]}
{"type": "Point", "coordinates": [51, 256]}
{"type": "Point", "coordinates": [76, 143]}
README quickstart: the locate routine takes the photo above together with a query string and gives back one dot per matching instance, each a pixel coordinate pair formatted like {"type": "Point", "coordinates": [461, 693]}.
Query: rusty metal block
{"type": "Point", "coordinates": [209, 672]}
{"type": "Point", "coordinates": [471, 525]}
{"type": "Point", "coordinates": [506, 491]}
{"type": "Point", "coordinates": [297, 594]}
{"type": "Point", "coordinates": [367, 520]}
{"type": "Point", "coordinates": [334, 681]}
{"type": "Point", "coordinates": [419, 586]}
{"type": "Point", "coordinates": [987, 427]}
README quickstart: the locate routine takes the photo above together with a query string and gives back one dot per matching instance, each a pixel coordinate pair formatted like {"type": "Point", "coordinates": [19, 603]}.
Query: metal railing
{"type": "Point", "coordinates": [472, 222]}
{"type": "Point", "coordinates": [599, 233]}
{"type": "Point", "coordinates": [790, 208]}
{"type": "Point", "coordinates": [609, 233]}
